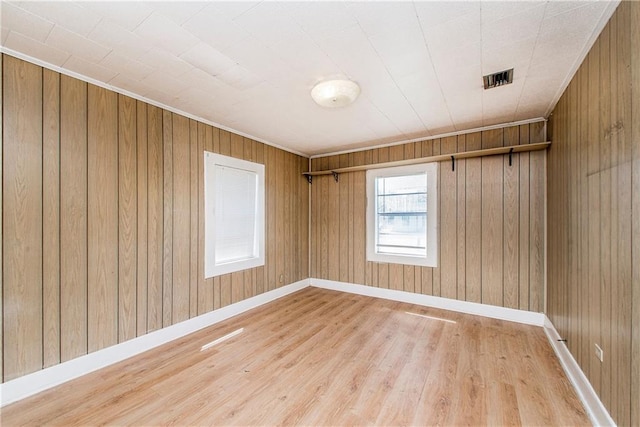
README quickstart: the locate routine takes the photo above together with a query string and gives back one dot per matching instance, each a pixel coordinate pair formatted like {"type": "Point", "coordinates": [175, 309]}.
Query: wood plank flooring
{"type": "Point", "coordinates": [320, 357]}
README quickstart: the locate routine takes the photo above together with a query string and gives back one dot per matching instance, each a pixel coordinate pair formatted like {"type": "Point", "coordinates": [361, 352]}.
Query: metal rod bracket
{"type": "Point", "coordinates": [453, 164]}
{"type": "Point", "coordinates": [310, 179]}
{"type": "Point", "coordinates": [335, 175]}
{"type": "Point", "coordinates": [511, 157]}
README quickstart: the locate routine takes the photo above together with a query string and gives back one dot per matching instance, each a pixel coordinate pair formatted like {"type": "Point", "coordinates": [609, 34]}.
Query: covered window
{"type": "Point", "coordinates": [234, 214]}
{"type": "Point", "coordinates": [402, 218]}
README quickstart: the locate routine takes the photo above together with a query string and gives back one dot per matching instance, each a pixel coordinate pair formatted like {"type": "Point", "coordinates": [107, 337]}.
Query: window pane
{"type": "Point", "coordinates": [401, 215]}
{"type": "Point", "coordinates": [235, 215]}
{"type": "Point", "coordinates": [402, 226]}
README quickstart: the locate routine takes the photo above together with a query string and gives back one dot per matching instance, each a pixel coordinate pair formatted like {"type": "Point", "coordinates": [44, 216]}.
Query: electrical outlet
{"type": "Point", "coordinates": [599, 353]}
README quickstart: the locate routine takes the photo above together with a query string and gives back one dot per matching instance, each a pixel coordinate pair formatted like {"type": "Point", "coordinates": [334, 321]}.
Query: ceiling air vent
{"type": "Point", "coordinates": [500, 78]}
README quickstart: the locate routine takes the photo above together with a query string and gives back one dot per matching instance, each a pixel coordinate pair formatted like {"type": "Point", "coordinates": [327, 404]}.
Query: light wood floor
{"type": "Point", "coordinates": [319, 357]}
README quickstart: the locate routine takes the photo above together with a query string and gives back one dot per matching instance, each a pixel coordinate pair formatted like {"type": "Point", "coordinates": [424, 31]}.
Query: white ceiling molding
{"type": "Point", "coordinates": [429, 138]}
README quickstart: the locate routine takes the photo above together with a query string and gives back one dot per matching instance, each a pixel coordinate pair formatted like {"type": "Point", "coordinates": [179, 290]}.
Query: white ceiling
{"type": "Point", "coordinates": [249, 66]}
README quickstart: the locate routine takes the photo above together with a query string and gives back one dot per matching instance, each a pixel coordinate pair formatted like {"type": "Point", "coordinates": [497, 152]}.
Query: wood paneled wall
{"type": "Point", "coordinates": [102, 218]}
{"type": "Point", "coordinates": [594, 215]}
{"type": "Point", "coordinates": [491, 220]}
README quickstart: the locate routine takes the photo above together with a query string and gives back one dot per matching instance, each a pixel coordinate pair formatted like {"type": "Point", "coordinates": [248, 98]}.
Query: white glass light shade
{"type": "Point", "coordinates": [335, 93]}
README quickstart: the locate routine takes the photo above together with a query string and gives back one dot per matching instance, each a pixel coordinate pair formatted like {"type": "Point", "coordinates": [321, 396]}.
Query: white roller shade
{"type": "Point", "coordinates": [234, 214]}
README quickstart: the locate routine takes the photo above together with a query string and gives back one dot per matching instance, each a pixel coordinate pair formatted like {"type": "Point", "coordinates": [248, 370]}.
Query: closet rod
{"type": "Point", "coordinates": [438, 158]}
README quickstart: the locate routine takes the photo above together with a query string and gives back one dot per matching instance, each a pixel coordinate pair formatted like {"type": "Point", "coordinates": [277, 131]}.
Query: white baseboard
{"type": "Point", "coordinates": [597, 412]}
{"type": "Point", "coordinates": [510, 314]}
{"type": "Point", "coordinates": [28, 385]}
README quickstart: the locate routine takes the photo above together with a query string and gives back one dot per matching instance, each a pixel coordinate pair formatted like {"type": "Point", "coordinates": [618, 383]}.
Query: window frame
{"type": "Point", "coordinates": [211, 269]}
{"type": "Point", "coordinates": [431, 230]}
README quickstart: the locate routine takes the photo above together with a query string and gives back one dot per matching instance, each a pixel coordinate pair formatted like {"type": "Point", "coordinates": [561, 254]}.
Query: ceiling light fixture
{"type": "Point", "coordinates": [335, 93]}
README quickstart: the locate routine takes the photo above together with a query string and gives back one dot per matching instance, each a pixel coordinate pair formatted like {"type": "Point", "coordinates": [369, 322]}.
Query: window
{"type": "Point", "coordinates": [402, 223]}
{"type": "Point", "coordinates": [234, 214]}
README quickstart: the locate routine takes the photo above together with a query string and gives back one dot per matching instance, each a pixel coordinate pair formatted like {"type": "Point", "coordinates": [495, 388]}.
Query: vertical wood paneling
{"type": "Point", "coordinates": [181, 218]}
{"type": "Point", "coordinates": [103, 226]}
{"type": "Point", "coordinates": [224, 143]}
{"type": "Point", "coordinates": [294, 213]}
{"type": "Point", "coordinates": [461, 225]}
{"type": "Point", "coordinates": [278, 160]}
{"type": "Point", "coordinates": [383, 274]}
{"type": "Point", "coordinates": [167, 229]}
{"type": "Point", "coordinates": [313, 228]}
{"type": "Point", "coordinates": [155, 220]}
{"type": "Point", "coordinates": [585, 350]}
{"type": "Point", "coordinates": [323, 237]}
{"type": "Point", "coordinates": [627, 145]}
{"type": "Point", "coordinates": [510, 214]}
{"type": "Point", "coordinates": [22, 218]}
{"type": "Point", "coordinates": [236, 146]}
{"type": "Point", "coordinates": [396, 152]}
{"type": "Point", "coordinates": [237, 286]}
{"type": "Point", "coordinates": [473, 208]}
{"type": "Point", "coordinates": [475, 204]}
{"type": "Point", "coordinates": [556, 125]}
{"type": "Point", "coordinates": [447, 198]}
{"type": "Point", "coordinates": [574, 200]}
{"type": "Point", "coordinates": [270, 177]}
{"type": "Point", "coordinates": [333, 218]}
{"type": "Point", "coordinates": [593, 183]}
{"type": "Point", "coordinates": [287, 219]}
{"type": "Point", "coordinates": [205, 287]}
{"type": "Point", "coordinates": [225, 290]}
{"type": "Point", "coordinates": [195, 154]}
{"type": "Point", "coordinates": [396, 276]}
{"type": "Point", "coordinates": [350, 219]}
{"type": "Point", "coordinates": [73, 218]}
{"type": "Point", "coordinates": [303, 223]}
{"type": "Point", "coordinates": [50, 218]}
{"type": "Point", "coordinates": [633, 16]}
{"type": "Point", "coordinates": [106, 196]}
{"type": "Point", "coordinates": [142, 210]}
{"type": "Point", "coordinates": [492, 221]}
{"type": "Point", "coordinates": [537, 183]}
{"type": "Point", "coordinates": [573, 300]}
{"type": "Point", "coordinates": [359, 228]}
{"type": "Point", "coordinates": [409, 284]}
{"type": "Point", "coordinates": [128, 218]}
{"type": "Point", "coordinates": [343, 210]}
{"type": "Point", "coordinates": [592, 215]}
{"type": "Point", "coordinates": [524, 215]}
{"type": "Point", "coordinates": [605, 212]}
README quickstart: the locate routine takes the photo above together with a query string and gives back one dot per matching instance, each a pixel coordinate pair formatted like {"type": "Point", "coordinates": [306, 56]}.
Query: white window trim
{"type": "Point", "coordinates": [431, 170]}
{"type": "Point", "coordinates": [210, 161]}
